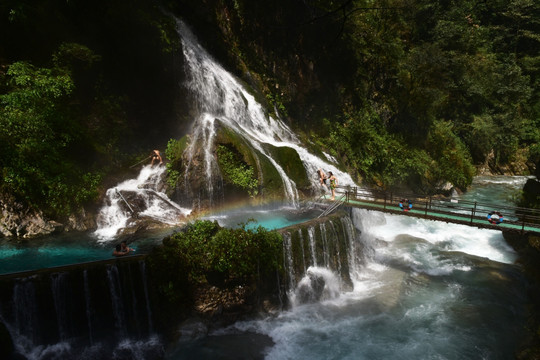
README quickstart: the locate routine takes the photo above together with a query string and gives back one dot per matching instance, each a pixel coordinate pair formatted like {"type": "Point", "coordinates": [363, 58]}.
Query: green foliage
{"type": "Point", "coordinates": [37, 133]}
{"type": "Point", "coordinates": [451, 159]}
{"type": "Point", "coordinates": [276, 102]}
{"type": "Point", "coordinates": [409, 65]}
{"type": "Point", "coordinates": [236, 171]}
{"type": "Point", "coordinates": [173, 152]}
{"type": "Point", "coordinates": [69, 54]}
{"type": "Point", "coordinates": [204, 249]}
{"type": "Point", "coordinates": [381, 158]}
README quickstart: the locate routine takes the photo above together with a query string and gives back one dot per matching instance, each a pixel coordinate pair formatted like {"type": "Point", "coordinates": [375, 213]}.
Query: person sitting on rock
{"type": "Point", "coordinates": [156, 156]}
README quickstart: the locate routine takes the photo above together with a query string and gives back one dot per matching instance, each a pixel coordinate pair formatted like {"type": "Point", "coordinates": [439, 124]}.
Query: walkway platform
{"type": "Point", "coordinates": [515, 219]}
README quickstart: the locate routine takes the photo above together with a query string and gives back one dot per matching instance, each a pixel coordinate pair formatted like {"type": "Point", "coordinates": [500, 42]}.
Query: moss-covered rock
{"type": "Point", "coordinates": [270, 182]}
{"type": "Point", "coordinates": [291, 163]}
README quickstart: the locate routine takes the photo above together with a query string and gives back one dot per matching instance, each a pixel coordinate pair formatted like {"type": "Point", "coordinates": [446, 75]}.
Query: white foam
{"type": "Point", "coordinates": [114, 216]}
{"type": "Point", "coordinates": [452, 237]}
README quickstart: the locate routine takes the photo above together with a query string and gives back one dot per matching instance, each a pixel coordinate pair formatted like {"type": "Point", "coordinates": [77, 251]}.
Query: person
{"type": "Point", "coordinates": [322, 178]}
{"type": "Point", "coordinates": [118, 251]}
{"type": "Point", "coordinates": [156, 156]}
{"type": "Point", "coordinates": [405, 204]}
{"type": "Point", "coordinates": [333, 184]}
{"type": "Point", "coordinates": [125, 249]}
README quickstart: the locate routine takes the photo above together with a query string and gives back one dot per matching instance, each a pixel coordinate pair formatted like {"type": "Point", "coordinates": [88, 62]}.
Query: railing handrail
{"type": "Point", "coordinates": [464, 208]}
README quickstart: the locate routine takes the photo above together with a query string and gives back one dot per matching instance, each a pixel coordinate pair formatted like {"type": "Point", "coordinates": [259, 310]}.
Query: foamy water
{"type": "Point", "coordinates": [424, 290]}
{"type": "Point", "coordinates": [118, 213]}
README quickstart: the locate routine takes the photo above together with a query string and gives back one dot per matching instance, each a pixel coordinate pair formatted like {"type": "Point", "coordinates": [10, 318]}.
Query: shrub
{"type": "Point", "coordinates": [204, 248]}
{"type": "Point", "coordinates": [236, 171]}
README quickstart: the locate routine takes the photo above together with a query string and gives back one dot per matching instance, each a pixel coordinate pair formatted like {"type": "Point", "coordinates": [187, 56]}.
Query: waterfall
{"type": "Point", "coordinates": [142, 265]}
{"type": "Point", "coordinates": [311, 234]}
{"type": "Point", "coordinates": [336, 243]}
{"type": "Point", "coordinates": [318, 284]}
{"type": "Point", "coordinates": [362, 220]}
{"type": "Point", "coordinates": [137, 198]}
{"type": "Point", "coordinates": [88, 306]}
{"type": "Point", "coordinates": [61, 296]}
{"type": "Point", "coordinates": [302, 248]}
{"type": "Point", "coordinates": [25, 310]}
{"type": "Point", "coordinates": [88, 312]}
{"type": "Point", "coordinates": [116, 299]}
{"type": "Point", "coordinates": [454, 285]}
{"type": "Point", "coordinates": [326, 253]}
{"type": "Point", "coordinates": [288, 261]}
{"type": "Point", "coordinates": [326, 279]}
{"type": "Point", "coordinates": [348, 229]}
{"type": "Point", "coordinates": [220, 99]}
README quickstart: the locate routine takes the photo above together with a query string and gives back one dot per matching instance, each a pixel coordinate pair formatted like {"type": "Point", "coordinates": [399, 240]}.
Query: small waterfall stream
{"type": "Point", "coordinates": [138, 198]}
{"type": "Point", "coordinates": [89, 313]}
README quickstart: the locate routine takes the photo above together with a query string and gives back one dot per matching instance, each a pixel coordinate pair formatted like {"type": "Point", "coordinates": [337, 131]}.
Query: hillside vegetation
{"type": "Point", "coordinates": [401, 92]}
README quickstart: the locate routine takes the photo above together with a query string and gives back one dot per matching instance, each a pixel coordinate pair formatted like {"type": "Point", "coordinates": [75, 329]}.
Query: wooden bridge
{"type": "Point", "coordinates": [472, 213]}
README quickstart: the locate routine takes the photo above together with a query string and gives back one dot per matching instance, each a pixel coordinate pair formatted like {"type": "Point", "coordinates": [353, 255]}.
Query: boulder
{"type": "Point", "coordinates": [19, 220]}
{"type": "Point", "coordinates": [23, 221]}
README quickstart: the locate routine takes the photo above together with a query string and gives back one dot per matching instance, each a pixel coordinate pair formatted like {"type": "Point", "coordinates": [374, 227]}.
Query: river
{"type": "Point", "coordinates": [423, 290]}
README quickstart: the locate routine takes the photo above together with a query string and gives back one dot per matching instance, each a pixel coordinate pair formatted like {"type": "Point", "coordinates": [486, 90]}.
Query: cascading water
{"type": "Point", "coordinates": [219, 98]}
{"type": "Point", "coordinates": [60, 293]}
{"type": "Point", "coordinates": [421, 290]}
{"type": "Point", "coordinates": [288, 261]}
{"type": "Point", "coordinates": [88, 306]}
{"type": "Point", "coordinates": [93, 313]}
{"type": "Point", "coordinates": [311, 235]}
{"type": "Point", "coordinates": [135, 199]}
{"type": "Point", "coordinates": [117, 303]}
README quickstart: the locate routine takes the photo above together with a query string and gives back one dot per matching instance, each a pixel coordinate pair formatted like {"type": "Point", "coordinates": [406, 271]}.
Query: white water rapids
{"type": "Point", "coordinates": [422, 290]}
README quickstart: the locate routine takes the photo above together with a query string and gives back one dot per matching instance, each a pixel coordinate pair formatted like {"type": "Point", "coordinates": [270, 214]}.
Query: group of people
{"type": "Point", "coordinates": [122, 249]}
{"type": "Point", "coordinates": [331, 178]}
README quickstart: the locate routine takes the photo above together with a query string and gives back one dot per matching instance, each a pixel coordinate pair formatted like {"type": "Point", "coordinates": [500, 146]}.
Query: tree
{"type": "Point", "coordinates": [37, 131]}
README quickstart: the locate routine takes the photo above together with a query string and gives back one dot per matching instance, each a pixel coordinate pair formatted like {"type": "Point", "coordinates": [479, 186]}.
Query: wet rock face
{"type": "Point", "coordinates": [19, 220]}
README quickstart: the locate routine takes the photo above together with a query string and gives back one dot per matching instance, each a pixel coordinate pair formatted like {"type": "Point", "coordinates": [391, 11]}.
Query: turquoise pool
{"type": "Point", "coordinates": [66, 249]}
{"type": "Point", "coordinates": [59, 250]}
{"type": "Point", "coordinates": [269, 218]}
